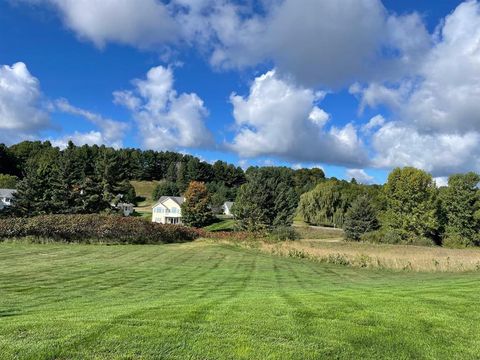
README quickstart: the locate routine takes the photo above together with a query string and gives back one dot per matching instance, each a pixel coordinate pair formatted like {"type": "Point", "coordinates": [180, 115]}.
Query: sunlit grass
{"type": "Point", "coordinates": [211, 301]}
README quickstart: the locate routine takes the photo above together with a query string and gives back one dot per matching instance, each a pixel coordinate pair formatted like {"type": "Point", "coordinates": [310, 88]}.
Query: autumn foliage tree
{"type": "Point", "coordinates": [196, 208]}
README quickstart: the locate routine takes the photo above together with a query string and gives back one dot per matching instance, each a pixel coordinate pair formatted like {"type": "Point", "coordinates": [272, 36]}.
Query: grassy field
{"type": "Point", "coordinates": [211, 301]}
{"type": "Point", "coordinates": [223, 224]}
{"type": "Point", "coordinates": [144, 189]}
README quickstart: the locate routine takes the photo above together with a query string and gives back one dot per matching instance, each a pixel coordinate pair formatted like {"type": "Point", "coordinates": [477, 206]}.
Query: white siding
{"type": "Point", "coordinates": [167, 212]}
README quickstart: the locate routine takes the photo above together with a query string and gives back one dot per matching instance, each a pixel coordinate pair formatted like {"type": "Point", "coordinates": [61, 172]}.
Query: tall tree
{"type": "Point", "coordinates": [461, 206]}
{"type": "Point", "coordinates": [165, 188]}
{"type": "Point", "coordinates": [412, 206]}
{"type": "Point", "coordinates": [267, 199]}
{"type": "Point", "coordinates": [360, 218]}
{"type": "Point", "coordinates": [196, 207]}
{"type": "Point", "coordinates": [328, 202]}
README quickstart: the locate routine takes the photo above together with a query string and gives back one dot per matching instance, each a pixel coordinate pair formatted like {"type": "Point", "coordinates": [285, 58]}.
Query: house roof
{"type": "Point", "coordinates": [7, 193]}
{"type": "Point", "coordinates": [178, 199]}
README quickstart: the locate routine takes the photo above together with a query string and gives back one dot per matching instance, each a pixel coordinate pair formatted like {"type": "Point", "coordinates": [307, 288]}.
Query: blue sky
{"type": "Point", "coordinates": [355, 89]}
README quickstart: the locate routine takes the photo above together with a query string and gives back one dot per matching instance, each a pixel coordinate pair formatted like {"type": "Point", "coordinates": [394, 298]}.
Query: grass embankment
{"type": "Point", "coordinates": [222, 224]}
{"type": "Point", "coordinates": [144, 190]}
{"type": "Point", "coordinates": [207, 301]}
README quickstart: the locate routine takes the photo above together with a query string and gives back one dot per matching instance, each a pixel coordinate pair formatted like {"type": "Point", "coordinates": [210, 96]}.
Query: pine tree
{"type": "Point", "coordinates": [268, 199]}
{"type": "Point", "coordinates": [360, 218]}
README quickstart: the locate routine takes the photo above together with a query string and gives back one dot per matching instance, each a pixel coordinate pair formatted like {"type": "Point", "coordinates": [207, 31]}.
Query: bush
{"type": "Point", "coordinates": [95, 228]}
{"type": "Point", "coordinates": [383, 236]}
{"type": "Point", "coordinates": [283, 233]}
{"type": "Point", "coordinates": [455, 241]}
{"type": "Point", "coordinates": [395, 237]}
{"type": "Point", "coordinates": [374, 237]}
{"type": "Point", "coordinates": [421, 241]}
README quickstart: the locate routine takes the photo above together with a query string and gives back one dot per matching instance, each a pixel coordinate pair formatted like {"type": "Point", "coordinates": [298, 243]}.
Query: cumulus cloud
{"type": "Point", "coordinates": [369, 43]}
{"type": "Point", "coordinates": [111, 132]}
{"type": "Point", "coordinates": [166, 119]}
{"type": "Point", "coordinates": [360, 175]}
{"type": "Point", "coordinates": [22, 114]}
{"type": "Point", "coordinates": [374, 123]}
{"type": "Point", "coordinates": [297, 36]}
{"type": "Point", "coordinates": [276, 119]}
{"type": "Point", "coordinates": [25, 115]}
{"type": "Point", "coordinates": [141, 23]}
{"type": "Point", "coordinates": [398, 144]}
{"type": "Point", "coordinates": [435, 122]}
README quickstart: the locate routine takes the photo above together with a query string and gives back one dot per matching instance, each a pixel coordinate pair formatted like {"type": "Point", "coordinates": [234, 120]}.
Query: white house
{"type": "Point", "coordinates": [6, 197]}
{"type": "Point", "coordinates": [167, 210]}
{"type": "Point", "coordinates": [227, 208]}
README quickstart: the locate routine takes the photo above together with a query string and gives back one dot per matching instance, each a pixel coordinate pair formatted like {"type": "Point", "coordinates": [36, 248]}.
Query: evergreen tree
{"type": "Point", "coordinates": [196, 207]}
{"type": "Point", "coordinates": [165, 188]}
{"type": "Point", "coordinates": [268, 199]}
{"type": "Point", "coordinates": [360, 218]}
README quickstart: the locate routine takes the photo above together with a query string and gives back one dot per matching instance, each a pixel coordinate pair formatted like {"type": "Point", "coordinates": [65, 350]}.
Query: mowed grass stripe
{"type": "Point", "coordinates": [202, 301]}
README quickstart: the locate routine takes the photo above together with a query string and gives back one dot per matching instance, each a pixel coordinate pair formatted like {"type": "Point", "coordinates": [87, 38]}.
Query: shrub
{"type": "Point", "coordinates": [93, 228]}
{"type": "Point", "coordinates": [421, 241]}
{"type": "Point", "coordinates": [374, 237]}
{"type": "Point", "coordinates": [383, 236]}
{"type": "Point", "coordinates": [283, 233]}
{"type": "Point", "coordinates": [455, 241]}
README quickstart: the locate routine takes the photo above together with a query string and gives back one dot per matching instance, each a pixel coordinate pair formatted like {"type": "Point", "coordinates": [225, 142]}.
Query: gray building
{"type": "Point", "coordinates": [6, 197]}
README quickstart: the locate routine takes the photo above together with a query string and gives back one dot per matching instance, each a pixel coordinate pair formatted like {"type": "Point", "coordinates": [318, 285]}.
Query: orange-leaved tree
{"type": "Point", "coordinates": [196, 208]}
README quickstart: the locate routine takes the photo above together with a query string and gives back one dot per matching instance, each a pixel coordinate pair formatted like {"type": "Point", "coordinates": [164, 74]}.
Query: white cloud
{"type": "Point", "coordinates": [22, 115]}
{"type": "Point", "coordinates": [360, 175]}
{"type": "Point", "coordinates": [397, 144]}
{"type": "Point", "coordinates": [374, 123]}
{"type": "Point", "coordinates": [436, 111]}
{"type": "Point", "coordinates": [298, 166]}
{"type": "Point", "coordinates": [275, 120]}
{"type": "Point", "coordinates": [112, 132]}
{"type": "Point", "coordinates": [88, 138]}
{"type": "Point", "coordinates": [141, 23]}
{"type": "Point", "coordinates": [166, 119]}
{"type": "Point", "coordinates": [297, 36]}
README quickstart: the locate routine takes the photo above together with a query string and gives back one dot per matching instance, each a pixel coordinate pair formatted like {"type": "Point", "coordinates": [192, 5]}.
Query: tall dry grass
{"type": "Point", "coordinates": [395, 257]}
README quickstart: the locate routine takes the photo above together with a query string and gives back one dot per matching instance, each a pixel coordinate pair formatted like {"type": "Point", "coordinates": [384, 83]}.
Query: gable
{"type": "Point", "coordinates": [170, 203]}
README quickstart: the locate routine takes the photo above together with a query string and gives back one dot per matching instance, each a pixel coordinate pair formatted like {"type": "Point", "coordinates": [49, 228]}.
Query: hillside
{"type": "Point", "coordinates": [144, 190]}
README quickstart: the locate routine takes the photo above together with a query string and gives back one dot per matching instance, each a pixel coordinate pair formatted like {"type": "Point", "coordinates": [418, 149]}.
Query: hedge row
{"type": "Point", "coordinates": [95, 228]}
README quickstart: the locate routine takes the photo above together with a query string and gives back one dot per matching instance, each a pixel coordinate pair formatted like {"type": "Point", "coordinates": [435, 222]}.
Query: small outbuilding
{"type": "Point", "coordinates": [227, 208]}
{"type": "Point", "coordinates": [6, 197]}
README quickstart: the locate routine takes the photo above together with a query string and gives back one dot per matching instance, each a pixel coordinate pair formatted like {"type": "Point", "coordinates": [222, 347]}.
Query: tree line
{"type": "Point", "coordinates": [89, 179]}
{"type": "Point", "coordinates": [408, 209]}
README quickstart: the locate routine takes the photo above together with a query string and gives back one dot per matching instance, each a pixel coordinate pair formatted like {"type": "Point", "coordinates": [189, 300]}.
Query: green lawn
{"type": "Point", "coordinates": [207, 301]}
{"type": "Point", "coordinates": [223, 224]}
